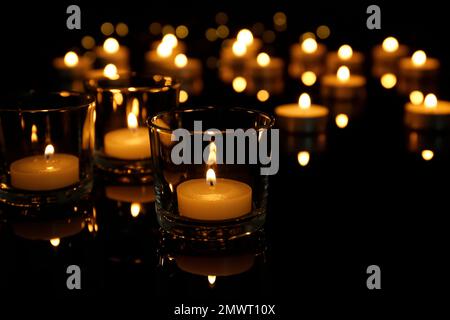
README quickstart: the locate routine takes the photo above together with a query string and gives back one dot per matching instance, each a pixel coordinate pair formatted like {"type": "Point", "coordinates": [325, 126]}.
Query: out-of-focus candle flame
{"type": "Point", "coordinates": [430, 101]}
{"type": "Point", "coordinates": [212, 157]}
{"type": "Point", "coordinates": [303, 158]}
{"type": "Point", "coordinates": [309, 45]}
{"type": "Point", "coordinates": [245, 36]}
{"type": "Point", "coordinates": [390, 44]}
{"type": "Point", "coordinates": [111, 45]}
{"type": "Point", "coordinates": [416, 97]}
{"type": "Point", "coordinates": [135, 209]}
{"type": "Point", "coordinates": [34, 136]}
{"type": "Point", "coordinates": [239, 48]}
{"type": "Point", "coordinates": [212, 280]}
{"type": "Point", "coordinates": [135, 107]}
{"type": "Point", "coordinates": [341, 120]}
{"type": "Point", "coordinates": [132, 121]}
{"type": "Point", "coordinates": [184, 96]}
{"type": "Point", "coordinates": [181, 60]}
{"type": "Point", "coordinates": [263, 59]}
{"type": "Point", "coordinates": [239, 84]}
{"type": "Point", "coordinates": [263, 95]}
{"type": "Point", "coordinates": [55, 242]}
{"type": "Point", "coordinates": [49, 151]}
{"type": "Point", "coordinates": [117, 96]}
{"type": "Point", "coordinates": [419, 58]}
{"type": "Point", "coordinates": [345, 52]}
{"type": "Point", "coordinates": [308, 78]}
{"type": "Point", "coordinates": [343, 73]}
{"type": "Point", "coordinates": [71, 59]}
{"type": "Point", "coordinates": [388, 80]}
{"type": "Point", "coordinates": [304, 101]}
{"type": "Point", "coordinates": [164, 50]}
{"type": "Point", "coordinates": [171, 40]}
{"type": "Point", "coordinates": [211, 177]}
{"type": "Point", "coordinates": [110, 72]}
{"type": "Point", "coordinates": [427, 155]}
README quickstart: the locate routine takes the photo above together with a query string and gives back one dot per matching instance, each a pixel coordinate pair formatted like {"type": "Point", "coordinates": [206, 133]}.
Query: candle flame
{"type": "Point", "coordinates": [181, 60]}
{"type": "Point", "coordinates": [419, 58]}
{"type": "Point", "coordinates": [308, 78]}
{"type": "Point", "coordinates": [416, 97]}
{"type": "Point", "coordinates": [117, 97]}
{"type": "Point", "coordinates": [341, 120]}
{"type": "Point", "coordinates": [343, 73]}
{"type": "Point", "coordinates": [388, 80]}
{"type": "Point", "coordinates": [345, 52]}
{"type": "Point", "coordinates": [390, 44]}
{"type": "Point", "coordinates": [135, 107]}
{"type": "Point", "coordinates": [164, 50]}
{"type": "Point", "coordinates": [239, 49]}
{"type": "Point", "coordinates": [427, 155]}
{"type": "Point", "coordinates": [110, 72]}
{"type": "Point", "coordinates": [212, 280]}
{"type": "Point", "coordinates": [263, 59]}
{"type": "Point", "coordinates": [430, 101]}
{"type": "Point", "coordinates": [135, 209]}
{"type": "Point", "coordinates": [170, 40]}
{"type": "Point", "coordinates": [55, 242]}
{"type": "Point", "coordinates": [71, 59]}
{"type": "Point", "coordinates": [309, 45]}
{"type": "Point", "coordinates": [211, 177]}
{"type": "Point", "coordinates": [111, 45]}
{"type": "Point", "coordinates": [132, 121]}
{"type": "Point", "coordinates": [245, 36]}
{"type": "Point", "coordinates": [303, 158]}
{"type": "Point", "coordinates": [239, 84]}
{"type": "Point", "coordinates": [304, 101]}
{"type": "Point", "coordinates": [49, 151]}
{"type": "Point", "coordinates": [212, 157]}
{"type": "Point", "coordinates": [34, 136]}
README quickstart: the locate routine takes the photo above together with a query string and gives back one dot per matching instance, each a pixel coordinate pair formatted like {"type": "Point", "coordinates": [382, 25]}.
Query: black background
{"type": "Point", "coordinates": [366, 200]}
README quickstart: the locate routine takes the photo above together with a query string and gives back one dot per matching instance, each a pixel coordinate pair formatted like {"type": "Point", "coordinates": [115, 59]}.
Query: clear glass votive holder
{"type": "Point", "coordinates": [218, 191]}
{"type": "Point", "coordinates": [122, 146]}
{"type": "Point", "coordinates": [46, 148]}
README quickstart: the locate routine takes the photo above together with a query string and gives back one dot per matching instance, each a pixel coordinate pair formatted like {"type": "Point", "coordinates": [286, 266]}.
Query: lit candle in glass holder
{"type": "Point", "coordinates": [429, 114]}
{"type": "Point", "coordinates": [112, 52]}
{"type": "Point", "coordinates": [345, 56]}
{"type": "Point", "coordinates": [343, 85]}
{"type": "Point", "coordinates": [265, 73]}
{"type": "Point", "coordinates": [386, 57]}
{"type": "Point", "coordinates": [302, 117]}
{"type": "Point", "coordinates": [418, 72]}
{"type": "Point", "coordinates": [309, 56]}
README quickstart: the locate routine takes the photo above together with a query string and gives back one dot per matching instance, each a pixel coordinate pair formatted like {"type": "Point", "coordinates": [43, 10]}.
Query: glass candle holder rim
{"type": "Point", "coordinates": [168, 82]}
{"type": "Point", "coordinates": [151, 122]}
{"type": "Point", "coordinates": [86, 99]}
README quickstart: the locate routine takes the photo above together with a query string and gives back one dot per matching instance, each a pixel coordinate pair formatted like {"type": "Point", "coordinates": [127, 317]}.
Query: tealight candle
{"type": "Point", "coordinates": [265, 73]}
{"type": "Point", "coordinates": [418, 72]}
{"type": "Point", "coordinates": [72, 66]}
{"type": "Point", "coordinates": [387, 56]}
{"type": "Point", "coordinates": [45, 172]}
{"type": "Point", "coordinates": [429, 114]}
{"type": "Point", "coordinates": [307, 56]}
{"type": "Point", "coordinates": [302, 117]}
{"type": "Point", "coordinates": [214, 199]}
{"type": "Point", "coordinates": [345, 56]}
{"type": "Point", "coordinates": [342, 85]}
{"type": "Point", "coordinates": [112, 53]}
{"type": "Point", "coordinates": [130, 143]}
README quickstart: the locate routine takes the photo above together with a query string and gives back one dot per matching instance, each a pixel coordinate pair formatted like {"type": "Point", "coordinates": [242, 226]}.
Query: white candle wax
{"type": "Point", "coordinates": [227, 199]}
{"type": "Point", "coordinates": [128, 144]}
{"type": "Point", "coordinates": [42, 173]}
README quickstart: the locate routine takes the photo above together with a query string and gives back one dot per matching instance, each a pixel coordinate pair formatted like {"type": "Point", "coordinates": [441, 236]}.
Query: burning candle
{"type": "Point", "coordinates": [214, 199]}
{"type": "Point", "coordinates": [45, 172]}
{"type": "Point", "coordinates": [302, 117]}
{"type": "Point", "coordinates": [112, 52]}
{"type": "Point", "coordinates": [387, 56]}
{"type": "Point", "coordinates": [418, 72]}
{"type": "Point", "coordinates": [342, 85]}
{"type": "Point", "coordinates": [429, 114]}
{"type": "Point", "coordinates": [309, 56]}
{"type": "Point", "coordinates": [132, 143]}
{"type": "Point", "coordinates": [265, 73]}
{"type": "Point", "coordinates": [345, 56]}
